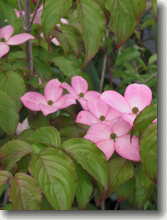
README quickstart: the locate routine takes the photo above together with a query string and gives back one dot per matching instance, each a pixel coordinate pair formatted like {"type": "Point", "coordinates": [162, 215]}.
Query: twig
{"type": "Point", "coordinates": [104, 66]}
{"type": "Point", "coordinates": [5, 199]}
{"type": "Point", "coordinates": [103, 71]}
{"type": "Point", "coordinates": [35, 12]}
{"type": "Point", "coordinates": [27, 28]}
{"type": "Point", "coordinates": [21, 8]}
{"type": "Point", "coordinates": [151, 77]}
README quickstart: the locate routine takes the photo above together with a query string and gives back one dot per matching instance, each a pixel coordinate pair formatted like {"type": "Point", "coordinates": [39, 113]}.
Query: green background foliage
{"type": "Point", "coordinates": [50, 166]}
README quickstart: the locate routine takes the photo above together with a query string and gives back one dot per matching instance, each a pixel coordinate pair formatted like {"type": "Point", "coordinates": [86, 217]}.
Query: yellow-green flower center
{"type": "Point", "coordinates": [102, 118]}
{"type": "Point", "coordinates": [135, 110]}
{"type": "Point", "coordinates": [113, 136]}
{"type": "Point", "coordinates": [50, 102]}
{"type": "Point", "coordinates": [81, 95]}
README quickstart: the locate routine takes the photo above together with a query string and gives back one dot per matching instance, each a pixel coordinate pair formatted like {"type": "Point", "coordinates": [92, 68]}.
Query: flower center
{"type": "Point", "coordinates": [50, 102]}
{"type": "Point", "coordinates": [2, 40]}
{"type": "Point", "coordinates": [102, 118]}
{"type": "Point", "coordinates": [135, 110]}
{"type": "Point", "coordinates": [113, 136]}
{"type": "Point", "coordinates": [81, 95]}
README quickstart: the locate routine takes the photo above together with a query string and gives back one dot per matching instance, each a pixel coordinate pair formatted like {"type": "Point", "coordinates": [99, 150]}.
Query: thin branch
{"type": "Point", "coordinates": [35, 12]}
{"type": "Point", "coordinates": [150, 78]}
{"type": "Point", "coordinates": [21, 8]}
{"type": "Point", "coordinates": [20, 5]}
{"type": "Point", "coordinates": [103, 71]}
{"type": "Point", "coordinates": [27, 28]}
{"type": "Point", "coordinates": [5, 199]}
{"type": "Point", "coordinates": [104, 66]}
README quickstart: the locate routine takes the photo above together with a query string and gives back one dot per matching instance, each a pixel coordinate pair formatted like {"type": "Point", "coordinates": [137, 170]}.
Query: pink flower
{"type": "Point", "coordinates": [154, 121]}
{"type": "Point", "coordinates": [115, 138]}
{"type": "Point", "coordinates": [55, 41]}
{"type": "Point", "coordinates": [6, 34]}
{"type": "Point", "coordinates": [79, 90]}
{"type": "Point", "coordinates": [19, 13]}
{"type": "Point", "coordinates": [98, 112]}
{"type": "Point", "coordinates": [52, 100]}
{"type": "Point", "coordinates": [22, 126]}
{"type": "Point", "coordinates": [135, 99]}
{"type": "Point", "coordinates": [37, 19]}
{"type": "Point", "coordinates": [63, 21]}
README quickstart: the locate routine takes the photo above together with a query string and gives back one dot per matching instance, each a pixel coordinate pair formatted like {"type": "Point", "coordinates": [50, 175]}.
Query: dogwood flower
{"type": "Point", "coordinates": [7, 39]}
{"type": "Point", "coordinates": [79, 91]}
{"type": "Point", "coordinates": [98, 111]}
{"type": "Point", "coordinates": [115, 138]}
{"type": "Point", "coordinates": [135, 99]}
{"type": "Point", "coordinates": [51, 101]}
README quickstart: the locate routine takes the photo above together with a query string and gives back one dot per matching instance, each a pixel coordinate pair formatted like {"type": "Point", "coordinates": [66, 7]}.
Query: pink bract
{"type": "Point", "coordinates": [115, 138]}
{"type": "Point", "coordinates": [51, 101]}
{"type": "Point", "coordinates": [79, 91]}
{"type": "Point", "coordinates": [98, 112]}
{"type": "Point", "coordinates": [6, 34]}
{"type": "Point", "coordinates": [135, 99]}
{"type": "Point", "coordinates": [154, 121]}
{"type": "Point", "coordinates": [37, 19]}
{"type": "Point", "coordinates": [55, 41]}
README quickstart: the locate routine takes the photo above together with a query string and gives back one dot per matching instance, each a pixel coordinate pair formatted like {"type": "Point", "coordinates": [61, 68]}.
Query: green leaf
{"type": "Point", "coordinates": [84, 189]}
{"type": "Point", "coordinates": [45, 205]}
{"type": "Point", "coordinates": [53, 11]}
{"type": "Point", "coordinates": [68, 65]}
{"type": "Point", "coordinates": [8, 114]}
{"type": "Point", "coordinates": [148, 150]}
{"type": "Point", "coordinates": [154, 7]}
{"type": "Point", "coordinates": [120, 171]}
{"type": "Point", "coordinates": [56, 175]}
{"type": "Point", "coordinates": [45, 135]}
{"type": "Point", "coordinates": [89, 157]}
{"type": "Point", "coordinates": [124, 15]}
{"type": "Point", "coordinates": [13, 151]}
{"type": "Point", "coordinates": [70, 39]}
{"type": "Point", "coordinates": [72, 131]}
{"type": "Point", "coordinates": [144, 188]}
{"type": "Point", "coordinates": [144, 119]}
{"type": "Point", "coordinates": [4, 176]}
{"type": "Point", "coordinates": [24, 193]}
{"type": "Point", "coordinates": [92, 21]}
{"type": "Point", "coordinates": [126, 191]}
{"type": "Point", "coordinates": [137, 190]}
{"type": "Point", "coordinates": [38, 121]}
{"type": "Point", "coordinates": [138, 7]}
{"type": "Point", "coordinates": [7, 12]}
{"type": "Point", "coordinates": [13, 84]}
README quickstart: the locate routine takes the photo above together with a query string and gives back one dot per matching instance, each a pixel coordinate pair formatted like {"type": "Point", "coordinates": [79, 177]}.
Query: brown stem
{"type": "Point", "coordinates": [109, 69]}
{"type": "Point", "coordinates": [103, 72]}
{"type": "Point", "coordinates": [21, 8]}
{"type": "Point", "coordinates": [35, 12]}
{"type": "Point", "coordinates": [27, 28]}
{"type": "Point", "coordinates": [104, 66]}
{"type": "Point", "coordinates": [5, 199]}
